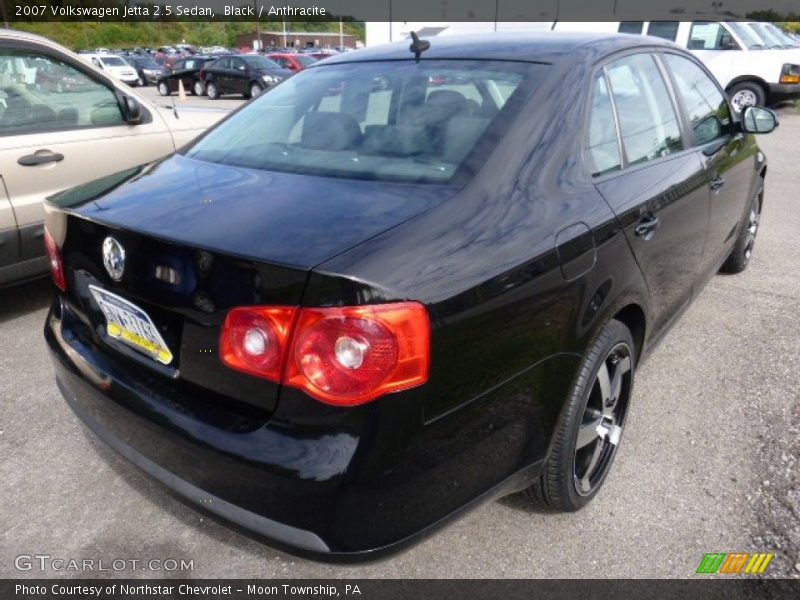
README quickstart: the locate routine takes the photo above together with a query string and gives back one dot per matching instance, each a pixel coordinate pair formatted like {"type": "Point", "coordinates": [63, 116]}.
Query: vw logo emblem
{"type": "Point", "coordinates": [113, 258]}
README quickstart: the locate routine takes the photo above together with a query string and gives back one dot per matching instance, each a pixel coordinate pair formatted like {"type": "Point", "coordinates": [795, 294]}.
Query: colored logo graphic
{"type": "Point", "coordinates": [737, 562]}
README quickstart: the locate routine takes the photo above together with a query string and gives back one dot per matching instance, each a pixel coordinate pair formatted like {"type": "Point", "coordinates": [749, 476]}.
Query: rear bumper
{"type": "Point", "coordinates": [779, 92]}
{"type": "Point", "coordinates": [350, 484]}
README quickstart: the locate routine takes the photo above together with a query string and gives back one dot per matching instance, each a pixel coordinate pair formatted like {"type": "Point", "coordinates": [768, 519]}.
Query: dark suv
{"type": "Point", "coordinates": [246, 74]}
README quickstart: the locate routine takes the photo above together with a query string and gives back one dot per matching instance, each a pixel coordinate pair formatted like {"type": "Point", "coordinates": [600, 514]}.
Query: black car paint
{"type": "Point", "coordinates": [239, 81]}
{"type": "Point", "coordinates": [188, 77]}
{"type": "Point", "coordinates": [519, 270]}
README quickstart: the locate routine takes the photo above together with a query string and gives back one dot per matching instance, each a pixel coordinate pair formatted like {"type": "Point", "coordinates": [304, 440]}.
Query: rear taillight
{"type": "Point", "coordinates": [341, 355]}
{"type": "Point", "coordinates": [255, 339]}
{"type": "Point", "coordinates": [56, 264]}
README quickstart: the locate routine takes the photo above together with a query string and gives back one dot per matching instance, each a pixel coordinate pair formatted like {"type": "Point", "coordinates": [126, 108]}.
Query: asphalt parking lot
{"type": "Point", "coordinates": [229, 102]}
{"type": "Point", "coordinates": [710, 461]}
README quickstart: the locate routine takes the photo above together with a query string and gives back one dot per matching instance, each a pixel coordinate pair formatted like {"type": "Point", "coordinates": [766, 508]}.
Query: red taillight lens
{"type": "Point", "coordinates": [255, 339]}
{"type": "Point", "coordinates": [56, 264]}
{"type": "Point", "coordinates": [342, 355]}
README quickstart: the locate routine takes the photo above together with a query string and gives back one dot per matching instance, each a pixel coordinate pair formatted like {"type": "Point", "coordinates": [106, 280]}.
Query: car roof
{"type": "Point", "coordinates": [517, 46]}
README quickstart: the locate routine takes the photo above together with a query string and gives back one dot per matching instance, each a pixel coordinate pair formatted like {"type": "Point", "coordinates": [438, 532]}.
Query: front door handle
{"type": "Point", "coordinates": [646, 226]}
{"type": "Point", "coordinates": [717, 182]}
{"type": "Point", "coordinates": [39, 158]}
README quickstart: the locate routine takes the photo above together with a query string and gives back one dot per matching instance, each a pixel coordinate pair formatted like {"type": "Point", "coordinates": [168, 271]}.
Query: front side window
{"type": "Point", "coordinates": [707, 108]}
{"type": "Point", "coordinates": [41, 93]}
{"type": "Point", "coordinates": [392, 121]}
{"type": "Point", "coordinates": [602, 146]}
{"type": "Point", "coordinates": [708, 36]}
{"type": "Point", "coordinates": [648, 123]}
{"type": "Point", "coordinates": [667, 30]}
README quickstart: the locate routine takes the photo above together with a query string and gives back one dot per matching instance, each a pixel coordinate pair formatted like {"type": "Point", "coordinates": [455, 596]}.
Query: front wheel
{"type": "Point", "coordinates": [255, 90]}
{"type": "Point", "coordinates": [197, 88]}
{"type": "Point", "coordinates": [742, 251]}
{"type": "Point", "coordinates": [163, 88]}
{"type": "Point", "coordinates": [746, 93]}
{"type": "Point", "coordinates": [212, 90]}
{"type": "Point", "coordinates": [590, 426]}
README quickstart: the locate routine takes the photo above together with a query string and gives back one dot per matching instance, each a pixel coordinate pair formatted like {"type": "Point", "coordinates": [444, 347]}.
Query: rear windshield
{"type": "Point", "coordinates": [426, 122]}
{"type": "Point", "coordinates": [259, 62]}
{"type": "Point", "coordinates": [113, 61]}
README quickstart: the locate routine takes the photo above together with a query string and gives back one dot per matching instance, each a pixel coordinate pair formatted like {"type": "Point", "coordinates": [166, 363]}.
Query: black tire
{"type": "Point", "coordinates": [198, 89]}
{"type": "Point", "coordinates": [572, 476]}
{"type": "Point", "coordinates": [746, 93]}
{"type": "Point", "coordinates": [742, 250]}
{"type": "Point", "coordinates": [212, 91]}
{"type": "Point", "coordinates": [163, 88]}
{"type": "Point", "coordinates": [255, 91]}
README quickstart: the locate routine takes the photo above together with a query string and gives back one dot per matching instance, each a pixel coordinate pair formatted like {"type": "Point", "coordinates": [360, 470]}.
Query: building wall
{"type": "Point", "coordinates": [297, 39]}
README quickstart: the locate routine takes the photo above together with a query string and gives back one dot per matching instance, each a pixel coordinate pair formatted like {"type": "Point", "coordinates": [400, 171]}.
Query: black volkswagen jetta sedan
{"type": "Point", "coordinates": [350, 311]}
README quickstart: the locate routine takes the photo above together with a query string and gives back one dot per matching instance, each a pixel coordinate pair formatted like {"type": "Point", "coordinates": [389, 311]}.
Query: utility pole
{"type": "Point", "coordinates": [258, 25]}
{"type": "Point", "coordinates": [341, 33]}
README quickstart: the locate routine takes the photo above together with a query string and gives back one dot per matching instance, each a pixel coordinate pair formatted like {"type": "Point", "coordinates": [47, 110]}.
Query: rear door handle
{"type": "Point", "coordinates": [717, 182]}
{"type": "Point", "coordinates": [646, 226]}
{"type": "Point", "coordinates": [39, 158]}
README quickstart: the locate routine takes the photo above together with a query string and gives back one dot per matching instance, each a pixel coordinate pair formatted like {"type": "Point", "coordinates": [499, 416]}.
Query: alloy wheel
{"type": "Point", "coordinates": [603, 420]}
{"type": "Point", "coordinates": [198, 88]}
{"type": "Point", "coordinates": [752, 229]}
{"type": "Point", "coordinates": [743, 99]}
{"type": "Point", "coordinates": [163, 89]}
{"type": "Point", "coordinates": [255, 90]}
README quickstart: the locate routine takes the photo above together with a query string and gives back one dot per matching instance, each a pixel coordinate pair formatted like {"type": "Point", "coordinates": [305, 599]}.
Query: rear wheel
{"type": "Point", "coordinates": [197, 88]}
{"type": "Point", "coordinates": [163, 88]}
{"type": "Point", "coordinates": [142, 82]}
{"type": "Point", "coordinates": [743, 248]}
{"type": "Point", "coordinates": [746, 93]}
{"type": "Point", "coordinates": [212, 91]}
{"type": "Point", "coordinates": [591, 423]}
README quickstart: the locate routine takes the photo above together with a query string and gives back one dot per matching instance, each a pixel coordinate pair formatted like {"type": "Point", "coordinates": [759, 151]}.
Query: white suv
{"type": "Point", "coordinates": [750, 71]}
{"type": "Point", "coordinates": [63, 122]}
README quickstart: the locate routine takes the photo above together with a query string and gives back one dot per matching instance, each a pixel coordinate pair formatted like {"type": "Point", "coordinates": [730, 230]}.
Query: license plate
{"type": "Point", "coordinates": [131, 325]}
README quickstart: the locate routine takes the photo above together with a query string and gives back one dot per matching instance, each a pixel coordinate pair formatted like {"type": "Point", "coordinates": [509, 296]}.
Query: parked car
{"type": "Point", "coordinates": [245, 74]}
{"type": "Point", "coordinates": [292, 61]}
{"type": "Point", "coordinates": [187, 70]}
{"type": "Point", "coordinates": [338, 325]}
{"type": "Point", "coordinates": [147, 69]}
{"type": "Point", "coordinates": [53, 140]}
{"type": "Point", "coordinates": [750, 72]}
{"type": "Point", "coordinates": [114, 66]}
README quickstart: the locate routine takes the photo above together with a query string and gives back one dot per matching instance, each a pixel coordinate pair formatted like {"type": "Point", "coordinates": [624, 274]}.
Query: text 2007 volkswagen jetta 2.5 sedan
{"type": "Point", "coordinates": [403, 281]}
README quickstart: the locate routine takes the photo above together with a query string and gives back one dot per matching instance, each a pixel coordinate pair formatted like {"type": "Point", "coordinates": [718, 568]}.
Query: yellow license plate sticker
{"type": "Point", "coordinates": [131, 325]}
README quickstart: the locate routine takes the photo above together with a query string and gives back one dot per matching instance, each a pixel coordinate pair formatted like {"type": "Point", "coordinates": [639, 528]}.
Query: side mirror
{"type": "Point", "coordinates": [132, 109]}
{"type": "Point", "coordinates": [726, 42]}
{"type": "Point", "coordinates": [758, 120]}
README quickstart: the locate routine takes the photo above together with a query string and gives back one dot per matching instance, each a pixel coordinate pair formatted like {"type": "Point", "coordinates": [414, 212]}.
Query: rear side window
{"type": "Point", "coordinates": [634, 27]}
{"type": "Point", "coordinates": [706, 106]}
{"type": "Point", "coordinates": [602, 146]}
{"type": "Point", "coordinates": [648, 123]}
{"type": "Point", "coordinates": [667, 30]}
{"type": "Point", "coordinates": [427, 122]}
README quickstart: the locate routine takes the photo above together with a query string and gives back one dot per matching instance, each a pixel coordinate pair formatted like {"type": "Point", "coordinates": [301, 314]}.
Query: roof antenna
{"type": "Point", "coordinates": [418, 46]}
